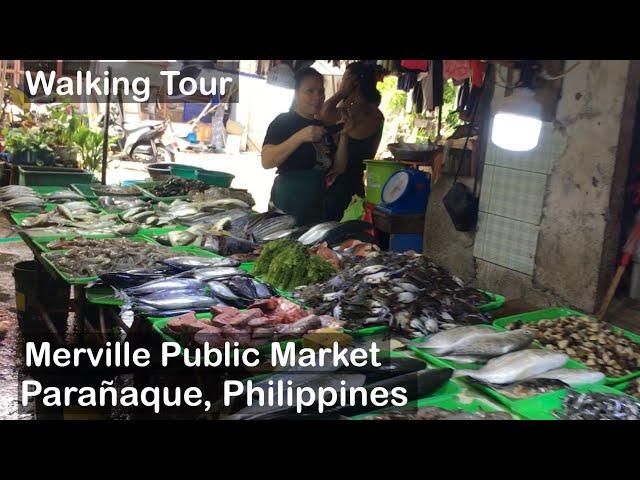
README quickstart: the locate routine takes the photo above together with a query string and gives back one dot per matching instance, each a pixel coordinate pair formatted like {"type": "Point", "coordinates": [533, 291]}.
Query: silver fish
{"type": "Point", "coordinates": [317, 233]}
{"type": "Point", "coordinates": [219, 289]}
{"type": "Point", "coordinates": [370, 269]}
{"type": "Point", "coordinates": [278, 235]}
{"type": "Point", "coordinates": [178, 302]}
{"type": "Point", "coordinates": [178, 239]}
{"type": "Point", "coordinates": [465, 358]}
{"type": "Point", "coordinates": [223, 203]}
{"type": "Point", "coordinates": [63, 196]}
{"type": "Point", "coordinates": [572, 376]}
{"type": "Point", "coordinates": [131, 212]}
{"type": "Point", "coordinates": [498, 343]}
{"type": "Point", "coordinates": [445, 342]}
{"type": "Point", "coordinates": [164, 284]}
{"type": "Point", "coordinates": [516, 366]}
{"type": "Point", "coordinates": [197, 262]}
{"type": "Point", "coordinates": [206, 274]}
{"type": "Point", "coordinates": [128, 229]}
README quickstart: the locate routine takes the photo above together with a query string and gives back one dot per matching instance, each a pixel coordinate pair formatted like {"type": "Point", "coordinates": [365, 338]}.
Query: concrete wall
{"type": "Point", "coordinates": [579, 231]}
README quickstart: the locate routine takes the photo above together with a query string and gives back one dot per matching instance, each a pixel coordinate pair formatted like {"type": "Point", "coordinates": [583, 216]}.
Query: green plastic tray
{"type": "Point", "coordinates": [496, 302]}
{"type": "Point", "coordinates": [41, 242]}
{"type": "Point", "coordinates": [102, 296]}
{"type": "Point", "coordinates": [541, 407]}
{"type": "Point", "coordinates": [85, 189]}
{"type": "Point", "coordinates": [622, 386]}
{"type": "Point", "coordinates": [445, 400]}
{"type": "Point", "coordinates": [145, 185]}
{"type": "Point", "coordinates": [86, 280]}
{"type": "Point", "coordinates": [552, 313]}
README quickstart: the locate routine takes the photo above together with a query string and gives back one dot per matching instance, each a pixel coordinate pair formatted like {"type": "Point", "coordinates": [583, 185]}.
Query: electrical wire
{"type": "Point", "coordinates": [544, 75]}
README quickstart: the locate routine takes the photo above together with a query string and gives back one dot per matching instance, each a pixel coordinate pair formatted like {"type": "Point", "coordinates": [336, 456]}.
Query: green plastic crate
{"type": "Point", "coordinates": [542, 407]}
{"type": "Point", "coordinates": [53, 176]}
{"type": "Point", "coordinates": [552, 313]}
{"type": "Point", "coordinates": [144, 186]}
{"type": "Point", "coordinates": [47, 189]}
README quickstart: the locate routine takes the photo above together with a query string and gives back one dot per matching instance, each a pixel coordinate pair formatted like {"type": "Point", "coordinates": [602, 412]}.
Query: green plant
{"type": "Point", "coordinates": [23, 139]}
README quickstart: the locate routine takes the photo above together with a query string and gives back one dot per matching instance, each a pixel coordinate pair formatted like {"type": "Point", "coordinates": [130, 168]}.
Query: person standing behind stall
{"type": "Point", "coordinates": [297, 145]}
{"type": "Point", "coordinates": [359, 139]}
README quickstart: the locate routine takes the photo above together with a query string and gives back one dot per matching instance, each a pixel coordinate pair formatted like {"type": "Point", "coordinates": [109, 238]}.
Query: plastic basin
{"type": "Point", "coordinates": [378, 172]}
{"type": "Point", "coordinates": [159, 171]}
{"type": "Point", "coordinates": [185, 171]}
{"type": "Point", "coordinates": [217, 179]}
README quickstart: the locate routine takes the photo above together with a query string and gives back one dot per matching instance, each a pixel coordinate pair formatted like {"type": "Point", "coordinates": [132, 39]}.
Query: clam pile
{"type": "Point", "coordinates": [589, 341]}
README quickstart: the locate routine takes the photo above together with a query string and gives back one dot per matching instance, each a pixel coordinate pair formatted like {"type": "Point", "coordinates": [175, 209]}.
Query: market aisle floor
{"type": "Point", "coordinates": [10, 358]}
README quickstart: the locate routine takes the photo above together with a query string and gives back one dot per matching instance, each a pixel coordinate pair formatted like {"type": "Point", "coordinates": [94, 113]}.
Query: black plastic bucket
{"type": "Point", "coordinates": [33, 285]}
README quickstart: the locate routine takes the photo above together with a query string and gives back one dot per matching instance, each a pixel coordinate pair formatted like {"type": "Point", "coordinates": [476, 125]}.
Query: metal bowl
{"type": "Point", "coordinates": [415, 152]}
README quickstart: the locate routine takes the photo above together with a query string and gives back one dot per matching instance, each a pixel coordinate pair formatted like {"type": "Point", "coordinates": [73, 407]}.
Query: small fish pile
{"type": "Point", "coordinates": [212, 240]}
{"type": "Point", "coordinates": [589, 341]}
{"type": "Point", "coordinates": [287, 264]}
{"type": "Point", "coordinates": [19, 198]}
{"type": "Point", "coordinates": [218, 193]}
{"type": "Point", "coordinates": [633, 388]}
{"type": "Point", "coordinates": [113, 190]}
{"type": "Point", "coordinates": [78, 217]}
{"type": "Point", "coordinates": [120, 204]}
{"type": "Point", "coordinates": [263, 227]}
{"type": "Point", "coordinates": [177, 187]}
{"type": "Point", "coordinates": [219, 278]}
{"type": "Point", "coordinates": [408, 292]}
{"type": "Point", "coordinates": [335, 233]}
{"type": "Point", "coordinates": [218, 218]}
{"type": "Point", "coordinates": [265, 321]}
{"type": "Point", "coordinates": [436, 413]}
{"type": "Point", "coordinates": [598, 406]}
{"type": "Point", "coordinates": [91, 257]}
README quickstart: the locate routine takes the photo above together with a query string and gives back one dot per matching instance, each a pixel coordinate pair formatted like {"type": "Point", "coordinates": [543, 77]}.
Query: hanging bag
{"type": "Point", "coordinates": [460, 201]}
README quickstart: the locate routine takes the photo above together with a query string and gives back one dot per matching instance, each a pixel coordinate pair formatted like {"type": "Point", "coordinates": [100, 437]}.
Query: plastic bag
{"type": "Point", "coordinates": [355, 210]}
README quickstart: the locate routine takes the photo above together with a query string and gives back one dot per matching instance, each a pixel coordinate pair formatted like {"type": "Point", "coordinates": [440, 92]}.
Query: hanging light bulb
{"type": "Point", "coordinates": [517, 123]}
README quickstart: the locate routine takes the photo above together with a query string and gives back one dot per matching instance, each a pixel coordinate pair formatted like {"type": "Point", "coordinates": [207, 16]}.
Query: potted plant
{"type": "Point", "coordinates": [28, 145]}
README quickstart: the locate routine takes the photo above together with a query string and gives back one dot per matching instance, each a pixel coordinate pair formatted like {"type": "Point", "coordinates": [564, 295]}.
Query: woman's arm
{"type": "Point", "coordinates": [329, 112]}
{"type": "Point", "coordinates": [342, 154]}
{"type": "Point", "coordinates": [275, 155]}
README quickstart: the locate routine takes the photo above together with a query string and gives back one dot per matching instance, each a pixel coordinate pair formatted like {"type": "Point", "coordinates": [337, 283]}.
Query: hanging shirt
{"type": "Point", "coordinates": [458, 70]}
{"type": "Point", "coordinates": [420, 65]}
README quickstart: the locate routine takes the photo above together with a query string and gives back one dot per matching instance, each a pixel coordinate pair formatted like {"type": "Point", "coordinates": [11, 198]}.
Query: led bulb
{"type": "Point", "coordinates": [517, 124]}
{"type": "Point", "coordinates": [515, 132]}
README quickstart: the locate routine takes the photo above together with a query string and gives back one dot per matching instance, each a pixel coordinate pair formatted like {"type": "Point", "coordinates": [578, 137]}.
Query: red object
{"type": "Point", "coordinates": [458, 70]}
{"type": "Point", "coordinates": [629, 247]}
{"type": "Point", "coordinates": [477, 72]}
{"type": "Point", "coordinates": [422, 65]}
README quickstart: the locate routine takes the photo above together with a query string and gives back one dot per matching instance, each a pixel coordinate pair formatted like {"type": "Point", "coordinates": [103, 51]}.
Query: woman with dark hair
{"type": "Point", "coordinates": [359, 99]}
{"type": "Point", "coordinates": [297, 145]}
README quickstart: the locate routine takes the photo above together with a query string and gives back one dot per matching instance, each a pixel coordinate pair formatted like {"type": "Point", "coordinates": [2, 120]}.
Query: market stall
{"type": "Point", "coordinates": [187, 264]}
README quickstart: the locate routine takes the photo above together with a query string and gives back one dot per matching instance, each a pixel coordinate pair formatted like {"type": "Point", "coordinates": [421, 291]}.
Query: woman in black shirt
{"type": "Point", "coordinates": [359, 140]}
{"type": "Point", "coordinates": [298, 145]}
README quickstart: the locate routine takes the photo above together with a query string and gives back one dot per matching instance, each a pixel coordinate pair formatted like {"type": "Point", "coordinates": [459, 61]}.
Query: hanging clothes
{"type": "Point", "coordinates": [457, 70]}
{"type": "Point", "coordinates": [477, 72]}
{"type": "Point", "coordinates": [436, 70]}
{"type": "Point", "coordinates": [420, 65]}
{"type": "Point", "coordinates": [417, 97]}
{"type": "Point", "coordinates": [407, 81]}
{"type": "Point", "coordinates": [462, 96]}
